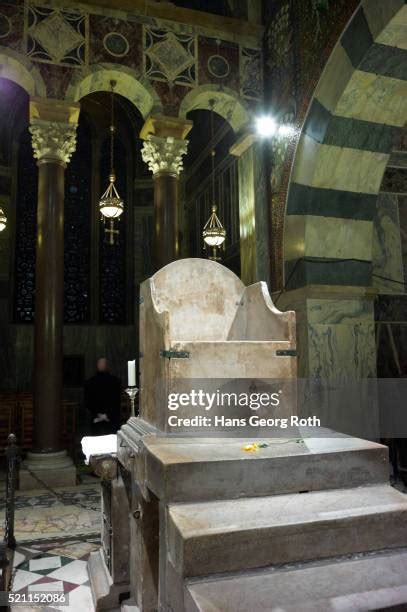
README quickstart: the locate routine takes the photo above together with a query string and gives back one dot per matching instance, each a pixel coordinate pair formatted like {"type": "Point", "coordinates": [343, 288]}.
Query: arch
{"type": "Point", "coordinates": [355, 117]}
{"type": "Point", "coordinates": [98, 77]}
{"type": "Point", "coordinates": [227, 104]}
{"type": "Point", "coordinates": [18, 68]}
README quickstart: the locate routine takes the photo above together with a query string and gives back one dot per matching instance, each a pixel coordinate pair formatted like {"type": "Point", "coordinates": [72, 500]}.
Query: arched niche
{"type": "Point", "coordinates": [98, 78]}
{"type": "Point", "coordinates": [353, 122]}
{"type": "Point", "coordinates": [20, 70]}
{"type": "Point", "coordinates": [227, 104]}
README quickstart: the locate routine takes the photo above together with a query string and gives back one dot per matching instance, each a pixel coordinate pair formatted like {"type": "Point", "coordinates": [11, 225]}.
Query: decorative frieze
{"type": "Point", "coordinates": [52, 140]}
{"type": "Point", "coordinates": [164, 154]}
{"type": "Point", "coordinates": [56, 35]}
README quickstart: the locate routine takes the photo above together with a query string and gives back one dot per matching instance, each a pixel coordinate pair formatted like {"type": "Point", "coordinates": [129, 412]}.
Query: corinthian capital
{"type": "Point", "coordinates": [164, 154]}
{"type": "Point", "coordinates": [53, 140]}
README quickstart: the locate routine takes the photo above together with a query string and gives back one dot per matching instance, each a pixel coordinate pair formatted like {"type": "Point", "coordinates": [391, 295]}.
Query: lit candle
{"type": "Point", "coordinates": [131, 373]}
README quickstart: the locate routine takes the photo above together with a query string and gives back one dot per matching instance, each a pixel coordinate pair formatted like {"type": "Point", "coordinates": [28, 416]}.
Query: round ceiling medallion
{"type": "Point", "coordinates": [218, 66]}
{"type": "Point", "coordinates": [5, 26]}
{"type": "Point", "coordinates": [116, 44]}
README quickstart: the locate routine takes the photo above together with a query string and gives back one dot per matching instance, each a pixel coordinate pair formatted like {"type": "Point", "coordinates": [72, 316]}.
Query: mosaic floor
{"type": "Point", "coordinates": [55, 534]}
{"type": "Point", "coordinates": [40, 515]}
{"type": "Point", "coordinates": [55, 567]}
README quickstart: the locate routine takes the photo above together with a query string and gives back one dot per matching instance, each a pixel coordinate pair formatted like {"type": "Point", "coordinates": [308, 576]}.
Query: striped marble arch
{"type": "Point", "coordinates": [354, 121]}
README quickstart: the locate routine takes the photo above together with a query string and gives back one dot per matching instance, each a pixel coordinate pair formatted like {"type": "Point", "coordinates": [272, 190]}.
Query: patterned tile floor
{"type": "Point", "coordinates": [55, 567]}
{"type": "Point", "coordinates": [55, 535]}
{"type": "Point", "coordinates": [73, 512]}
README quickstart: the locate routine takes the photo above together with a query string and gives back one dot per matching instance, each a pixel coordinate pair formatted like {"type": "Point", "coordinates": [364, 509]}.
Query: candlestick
{"type": "Point", "coordinates": [131, 373]}
{"type": "Point", "coordinates": [132, 392]}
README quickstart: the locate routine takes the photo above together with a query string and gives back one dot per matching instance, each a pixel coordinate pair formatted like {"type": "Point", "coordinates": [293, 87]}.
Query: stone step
{"type": "Point", "coordinates": [235, 535]}
{"type": "Point", "coordinates": [182, 469]}
{"type": "Point", "coordinates": [374, 582]}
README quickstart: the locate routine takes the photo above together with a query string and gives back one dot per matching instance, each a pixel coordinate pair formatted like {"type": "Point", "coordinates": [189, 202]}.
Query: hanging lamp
{"type": "Point", "coordinates": [214, 234]}
{"type": "Point", "coordinates": [3, 220]}
{"type": "Point", "coordinates": [111, 205]}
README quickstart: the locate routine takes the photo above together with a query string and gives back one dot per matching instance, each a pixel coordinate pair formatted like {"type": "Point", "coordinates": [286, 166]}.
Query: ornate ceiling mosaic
{"type": "Point", "coordinates": [251, 85]}
{"type": "Point", "coordinates": [175, 57]}
{"type": "Point", "coordinates": [116, 44]}
{"type": "Point", "coordinates": [169, 57]}
{"type": "Point", "coordinates": [5, 26]}
{"type": "Point", "coordinates": [56, 36]}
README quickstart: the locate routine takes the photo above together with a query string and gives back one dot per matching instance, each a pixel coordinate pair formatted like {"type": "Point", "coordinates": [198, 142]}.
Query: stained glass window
{"type": "Point", "coordinates": [78, 181]}
{"type": "Point", "coordinates": [26, 229]}
{"type": "Point", "coordinates": [113, 257]}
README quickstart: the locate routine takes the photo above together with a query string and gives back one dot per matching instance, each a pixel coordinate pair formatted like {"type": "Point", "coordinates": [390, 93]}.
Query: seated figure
{"type": "Point", "coordinates": [199, 321]}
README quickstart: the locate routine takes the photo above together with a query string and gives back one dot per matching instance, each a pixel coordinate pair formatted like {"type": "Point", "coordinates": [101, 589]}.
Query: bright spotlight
{"type": "Point", "coordinates": [286, 130]}
{"type": "Point", "coordinates": [266, 126]}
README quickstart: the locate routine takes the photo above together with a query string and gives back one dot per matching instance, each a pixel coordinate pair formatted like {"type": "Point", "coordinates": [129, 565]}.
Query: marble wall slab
{"type": "Point", "coordinates": [395, 33]}
{"type": "Point", "coordinates": [341, 339]}
{"type": "Point", "coordinates": [253, 216]}
{"type": "Point", "coordinates": [373, 97]}
{"type": "Point", "coordinates": [342, 352]}
{"type": "Point", "coordinates": [335, 333]}
{"type": "Point", "coordinates": [387, 253]}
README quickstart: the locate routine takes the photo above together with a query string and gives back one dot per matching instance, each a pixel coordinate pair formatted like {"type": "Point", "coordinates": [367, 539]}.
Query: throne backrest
{"type": "Point", "coordinates": [201, 297]}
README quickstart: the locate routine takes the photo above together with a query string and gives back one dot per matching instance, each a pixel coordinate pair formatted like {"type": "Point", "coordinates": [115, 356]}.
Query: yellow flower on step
{"type": "Point", "coordinates": [251, 448]}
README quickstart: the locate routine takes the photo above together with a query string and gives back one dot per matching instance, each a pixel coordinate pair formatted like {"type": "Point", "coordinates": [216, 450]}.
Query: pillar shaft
{"type": "Point", "coordinates": [49, 307]}
{"type": "Point", "coordinates": [166, 219]}
{"type": "Point", "coordinates": [163, 149]}
{"type": "Point", "coordinates": [253, 214]}
{"type": "Point", "coordinates": [53, 130]}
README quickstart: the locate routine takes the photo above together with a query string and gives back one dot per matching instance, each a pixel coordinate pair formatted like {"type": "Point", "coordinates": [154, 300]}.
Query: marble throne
{"type": "Point", "coordinates": [194, 523]}
{"type": "Point", "coordinates": [199, 321]}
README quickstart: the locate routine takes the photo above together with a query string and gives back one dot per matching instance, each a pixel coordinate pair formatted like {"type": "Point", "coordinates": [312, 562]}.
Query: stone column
{"type": "Point", "coordinates": [164, 146]}
{"type": "Point", "coordinates": [53, 129]}
{"type": "Point", "coordinates": [253, 213]}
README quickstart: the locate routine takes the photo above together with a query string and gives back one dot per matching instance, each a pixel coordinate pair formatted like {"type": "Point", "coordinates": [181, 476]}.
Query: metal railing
{"type": "Point", "coordinates": [8, 545]}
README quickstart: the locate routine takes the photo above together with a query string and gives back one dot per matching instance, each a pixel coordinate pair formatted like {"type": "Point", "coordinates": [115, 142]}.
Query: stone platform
{"type": "Point", "coordinates": [342, 585]}
{"type": "Point", "coordinates": [197, 469]}
{"type": "Point", "coordinates": [223, 529]}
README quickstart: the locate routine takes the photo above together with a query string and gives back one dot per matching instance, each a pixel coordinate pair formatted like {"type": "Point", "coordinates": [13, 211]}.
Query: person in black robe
{"type": "Point", "coordinates": [103, 399]}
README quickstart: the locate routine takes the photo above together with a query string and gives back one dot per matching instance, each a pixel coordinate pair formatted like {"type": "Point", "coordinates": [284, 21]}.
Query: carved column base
{"type": "Point", "coordinates": [52, 469]}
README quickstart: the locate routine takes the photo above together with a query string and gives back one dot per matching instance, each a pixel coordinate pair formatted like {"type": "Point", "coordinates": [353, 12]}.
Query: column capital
{"type": "Point", "coordinates": [53, 129]}
{"type": "Point", "coordinates": [164, 154]}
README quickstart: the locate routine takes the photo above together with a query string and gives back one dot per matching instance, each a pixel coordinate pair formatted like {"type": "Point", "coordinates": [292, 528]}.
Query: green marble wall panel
{"type": "Point", "coordinates": [306, 200]}
{"type": "Point", "coordinates": [395, 33]}
{"type": "Point", "coordinates": [326, 166]}
{"type": "Point", "coordinates": [375, 98]}
{"type": "Point", "coordinates": [387, 253]}
{"type": "Point", "coordinates": [357, 37]}
{"type": "Point", "coordinates": [351, 239]}
{"type": "Point", "coordinates": [342, 352]}
{"type": "Point", "coordinates": [336, 75]}
{"type": "Point", "coordinates": [253, 215]}
{"type": "Point", "coordinates": [326, 128]}
{"type": "Point", "coordinates": [380, 15]}
{"type": "Point", "coordinates": [324, 271]}
{"type": "Point", "coordinates": [341, 338]}
{"type": "Point", "coordinates": [335, 333]}
{"type": "Point", "coordinates": [386, 60]}
{"type": "Point", "coordinates": [339, 311]}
